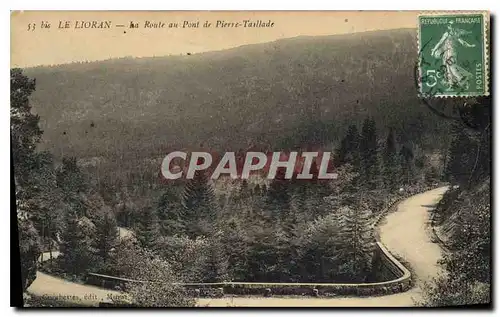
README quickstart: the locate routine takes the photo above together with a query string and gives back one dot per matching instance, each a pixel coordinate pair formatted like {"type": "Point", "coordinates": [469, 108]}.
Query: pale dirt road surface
{"type": "Point", "coordinates": [396, 300]}
{"type": "Point", "coordinates": [406, 233]}
{"type": "Point", "coordinates": [54, 287]}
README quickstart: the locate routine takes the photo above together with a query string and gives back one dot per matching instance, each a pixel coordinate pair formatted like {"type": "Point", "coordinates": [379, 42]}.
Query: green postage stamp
{"type": "Point", "coordinates": [453, 54]}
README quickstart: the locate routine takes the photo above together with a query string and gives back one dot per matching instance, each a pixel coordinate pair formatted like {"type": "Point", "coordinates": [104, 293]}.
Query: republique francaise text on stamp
{"type": "Point", "coordinates": [453, 58]}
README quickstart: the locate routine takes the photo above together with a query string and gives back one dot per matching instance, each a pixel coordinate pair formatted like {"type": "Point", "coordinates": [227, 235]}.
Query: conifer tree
{"type": "Point", "coordinates": [72, 184]}
{"type": "Point", "coordinates": [460, 156]}
{"type": "Point", "coordinates": [431, 176]}
{"type": "Point", "coordinates": [356, 243]}
{"type": "Point", "coordinates": [406, 164]}
{"type": "Point", "coordinates": [78, 232]}
{"type": "Point", "coordinates": [368, 151]}
{"type": "Point", "coordinates": [345, 192]}
{"type": "Point", "coordinates": [217, 265]}
{"type": "Point", "coordinates": [482, 162]}
{"type": "Point", "coordinates": [234, 234]}
{"type": "Point", "coordinates": [257, 191]}
{"type": "Point", "coordinates": [390, 162]}
{"type": "Point", "coordinates": [244, 191]}
{"type": "Point", "coordinates": [47, 217]}
{"type": "Point", "coordinates": [316, 250]}
{"type": "Point", "coordinates": [262, 261]}
{"type": "Point", "coordinates": [24, 130]}
{"type": "Point", "coordinates": [106, 235]}
{"type": "Point", "coordinates": [77, 246]}
{"type": "Point", "coordinates": [169, 212]}
{"type": "Point", "coordinates": [25, 134]}
{"type": "Point", "coordinates": [30, 249]}
{"type": "Point", "coordinates": [307, 196]}
{"type": "Point", "coordinates": [148, 229]}
{"type": "Point", "coordinates": [263, 189]}
{"type": "Point", "coordinates": [298, 201]}
{"type": "Point", "coordinates": [278, 200]}
{"type": "Point", "coordinates": [285, 251]}
{"type": "Point", "coordinates": [349, 148]}
{"type": "Point", "coordinates": [70, 177]}
{"type": "Point", "coordinates": [200, 208]}
{"type": "Point", "coordinates": [240, 199]}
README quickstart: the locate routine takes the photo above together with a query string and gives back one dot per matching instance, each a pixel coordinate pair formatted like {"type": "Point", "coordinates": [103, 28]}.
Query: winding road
{"type": "Point", "coordinates": [404, 232]}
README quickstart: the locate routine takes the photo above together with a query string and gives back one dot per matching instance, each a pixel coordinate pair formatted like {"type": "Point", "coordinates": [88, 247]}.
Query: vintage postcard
{"type": "Point", "coordinates": [237, 159]}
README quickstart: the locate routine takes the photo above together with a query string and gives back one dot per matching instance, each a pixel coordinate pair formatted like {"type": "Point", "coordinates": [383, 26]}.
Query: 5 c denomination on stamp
{"type": "Point", "coordinates": [453, 57]}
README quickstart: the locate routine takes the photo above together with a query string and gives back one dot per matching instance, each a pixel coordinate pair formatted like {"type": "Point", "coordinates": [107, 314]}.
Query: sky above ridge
{"type": "Point", "coordinates": [68, 41]}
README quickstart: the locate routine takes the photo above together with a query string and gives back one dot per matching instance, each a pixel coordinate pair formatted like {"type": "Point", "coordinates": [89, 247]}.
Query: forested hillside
{"type": "Point", "coordinates": [285, 93]}
{"type": "Point", "coordinates": [462, 220]}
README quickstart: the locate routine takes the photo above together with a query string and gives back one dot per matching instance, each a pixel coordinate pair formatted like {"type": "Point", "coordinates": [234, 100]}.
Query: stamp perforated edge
{"type": "Point", "coordinates": [486, 55]}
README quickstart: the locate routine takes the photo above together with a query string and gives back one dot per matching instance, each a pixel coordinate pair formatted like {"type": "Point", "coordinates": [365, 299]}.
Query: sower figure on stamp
{"type": "Point", "coordinates": [455, 75]}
